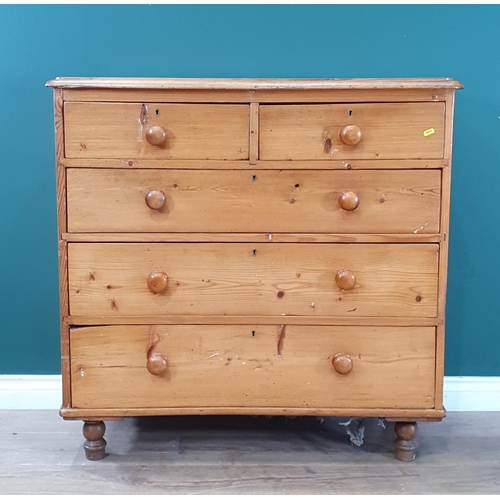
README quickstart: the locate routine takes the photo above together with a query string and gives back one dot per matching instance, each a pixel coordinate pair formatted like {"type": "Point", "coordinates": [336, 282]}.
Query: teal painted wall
{"type": "Point", "coordinates": [38, 43]}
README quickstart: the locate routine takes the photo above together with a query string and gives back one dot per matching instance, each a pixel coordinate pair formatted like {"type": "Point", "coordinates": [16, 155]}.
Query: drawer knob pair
{"type": "Point", "coordinates": [156, 135]}
{"type": "Point", "coordinates": [158, 280]}
{"type": "Point", "coordinates": [342, 363]}
{"type": "Point", "coordinates": [157, 364]}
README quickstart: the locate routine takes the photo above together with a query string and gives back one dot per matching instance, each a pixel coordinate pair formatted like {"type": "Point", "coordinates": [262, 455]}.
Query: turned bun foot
{"type": "Point", "coordinates": [95, 444]}
{"type": "Point", "coordinates": [405, 444]}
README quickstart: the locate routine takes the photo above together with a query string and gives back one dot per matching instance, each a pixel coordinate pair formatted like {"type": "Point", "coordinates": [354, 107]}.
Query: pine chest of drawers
{"type": "Point", "coordinates": [263, 247]}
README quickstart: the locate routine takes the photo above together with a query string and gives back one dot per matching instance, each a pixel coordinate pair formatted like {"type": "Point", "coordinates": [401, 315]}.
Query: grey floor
{"type": "Point", "coordinates": [42, 454]}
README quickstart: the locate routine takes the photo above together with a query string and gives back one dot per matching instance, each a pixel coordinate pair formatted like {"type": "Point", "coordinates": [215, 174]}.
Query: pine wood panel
{"type": "Point", "coordinates": [443, 261]}
{"type": "Point", "coordinates": [62, 222]}
{"type": "Point", "coordinates": [111, 200]}
{"type": "Point", "coordinates": [251, 237]}
{"type": "Point", "coordinates": [118, 130]}
{"type": "Point", "coordinates": [212, 319]}
{"type": "Point", "coordinates": [389, 131]}
{"type": "Point", "coordinates": [248, 366]}
{"type": "Point", "coordinates": [256, 83]}
{"type": "Point", "coordinates": [254, 133]}
{"type": "Point", "coordinates": [108, 279]}
{"type": "Point", "coordinates": [398, 414]}
{"type": "Point", "coordinates": [62, 227]}
{"type": "Point", "coordinates": [327, 164]}
{"type": "Point", "coordinates": [254, 96]}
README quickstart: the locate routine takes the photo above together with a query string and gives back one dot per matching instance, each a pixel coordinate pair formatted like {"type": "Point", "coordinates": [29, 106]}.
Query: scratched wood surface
{"type": "Point", "coordinates": [254, 96]}
{"type": "Point", "coordinates": [255, 83]}
{"type": "Point", "coordinates": [390, 414]}
{"type": "Point", "coordinates": [389, 131]}
{"type": "Point", "coordinates": [245, 455]}
{"type": "Point", "coordinates": [443, 258]}
{"type": "Point", "coordinates": [110, 279]}
{"type": "Point", "coordinates": [285, 133]}
{"type": "Point", "coordinates": [248, 365]}
{"type": "Point", "coordinates": [327, 164]}
{"type": "Point", "coordinates": [118, 130]}
{"type": "Point", "coordinates": [415, 237]}
{"type": "Point", "coordinates": [104, 200]}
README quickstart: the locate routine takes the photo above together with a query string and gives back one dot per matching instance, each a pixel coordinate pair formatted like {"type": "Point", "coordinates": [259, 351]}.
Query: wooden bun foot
{"type": "Point", "coordinates": [405, 444]}
{"type": "Point", "coordinates": [95, 444]}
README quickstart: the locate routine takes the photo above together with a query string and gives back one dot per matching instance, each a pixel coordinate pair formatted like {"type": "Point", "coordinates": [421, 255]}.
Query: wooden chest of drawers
{"type": "Point", "coordinates": [263, 247]}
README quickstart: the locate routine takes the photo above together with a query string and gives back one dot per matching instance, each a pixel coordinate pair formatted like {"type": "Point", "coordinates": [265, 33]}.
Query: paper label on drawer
{"type": "Point", "coordinates": [428, 132]}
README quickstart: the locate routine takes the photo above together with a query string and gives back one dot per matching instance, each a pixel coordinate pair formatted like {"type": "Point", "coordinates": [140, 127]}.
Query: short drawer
{"type": "Point", "coordinates": [273, 279]}
{"type": "Point", "coordinates": [252, 366]}
{"type": "Point", "coordinates": [352, 131]}
{"type": "Point", "coordinates": [382, 201]}
{"type": "Point", "coordinates": [156, 131]}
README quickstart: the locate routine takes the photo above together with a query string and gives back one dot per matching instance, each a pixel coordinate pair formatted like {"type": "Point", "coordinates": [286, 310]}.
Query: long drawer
{"type": "Point", "coordinates": [254, 366]}
{"type": "Point", "coordinates": [156, 131]}
{"type": "Point", "coordinates": [384, 201]}
{"type": "Point", "coordinates": [352, 131]}
{"type": "Point", "coordinates": [275, 279]}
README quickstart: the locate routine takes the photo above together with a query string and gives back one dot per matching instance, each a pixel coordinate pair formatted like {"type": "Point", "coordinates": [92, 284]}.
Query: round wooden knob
{"type": "Point", "coordinates": [348, 201]}
{"type": "Point", "coordinates": [155, 199]}
{"type": "Point", "coordinates": [157, 364]}
{"type": "Point", "coordinates": [345, 279]}
{"type": "Point", "coordinates": [157, 281]}
{"type": "Point", "coordinates": [342, 363]}
{"type": "Point", "coordinates": [350, 135]}
{"type": "Point", "coordinates": [156, 135]}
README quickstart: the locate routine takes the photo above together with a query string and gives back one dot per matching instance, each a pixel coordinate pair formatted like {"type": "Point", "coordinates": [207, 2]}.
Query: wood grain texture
{"type": "Point", "coordinates": [450, 110]}
{"type": "Point", "coordinates": [65, 364]}
{"type": "Point", "coordinates": [62, 225]}
{"type": "Point", "coordinates": [254, 83]}
{"type": "Point", "coordinates": [396, 414]}
{"type": "Point", "coordinates": [251, 237]}
{"type": "Point", "coordinates": [241, 366]}
{"type": "Point", "coordinates": [254, 96]}
{"type": "Point", "coordinates": [59, 123]}
{"type": "Point", "coordinates": [440, 352]}
{"type": "Point", "coordinates": [254, 133]}
{"type": "Point", "coordinates": [327, 164]}
{"type": "Point", "coordinates": [444, 245]}
{"type": "Point", "coordinates": [112, 130]}
{"type": "Point", "coordinates": [389, 131]}
{"type": "Point", "coordinates": [246, 279]}
{"type": "Point", "coordinates": [213, 319]}
{"type": "Point", "coordinates": [111, 200]}
{"type": "Point", "coordinates": [442, 284]}
{"type": "Point", "coordinates": [351, 164]}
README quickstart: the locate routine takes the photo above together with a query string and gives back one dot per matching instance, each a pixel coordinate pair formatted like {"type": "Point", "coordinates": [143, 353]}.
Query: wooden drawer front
{"type": "Point", "coordinates": [193, 131]}
{"type": "Point", "coordinates": [269, 279]}
{"type": "Point", "coordinates": [240, 366]}
{"type": "Point", "coordinates": [113, 200]}
{"type": "Point", "coordinates": [388, 131]}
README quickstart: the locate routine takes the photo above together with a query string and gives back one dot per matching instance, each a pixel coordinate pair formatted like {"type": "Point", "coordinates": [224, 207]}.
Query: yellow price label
{"type": "Point", "coordinates": [428, 132]}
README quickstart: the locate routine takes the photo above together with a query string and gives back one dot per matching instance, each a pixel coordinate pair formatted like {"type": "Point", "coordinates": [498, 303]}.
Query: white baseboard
{"type": "Point", "coordinates": [472, 393]}
{"type": "Point", "coordinates": [43, 392]}
{"type": "Point", "coordinates": [30, 392]}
